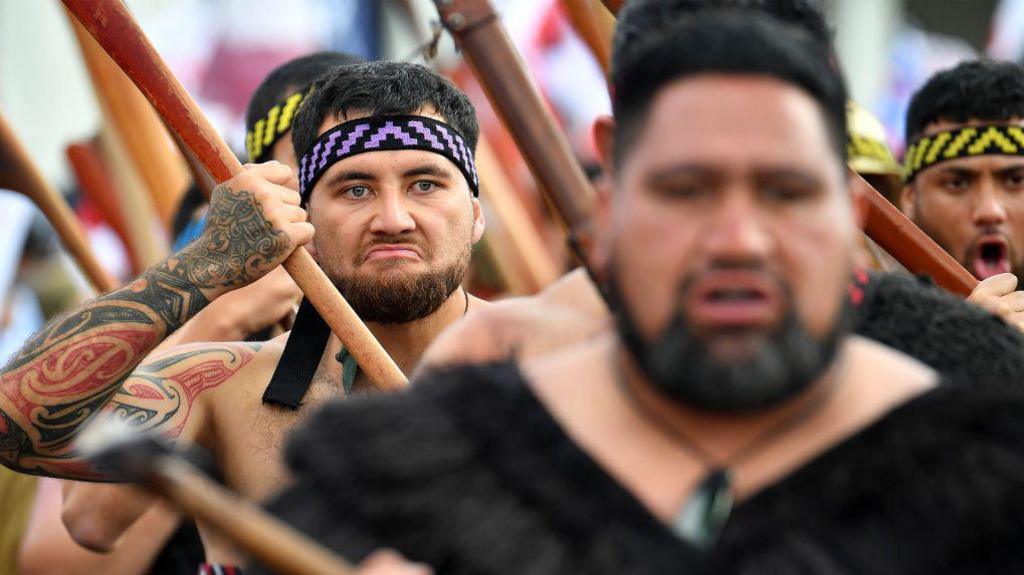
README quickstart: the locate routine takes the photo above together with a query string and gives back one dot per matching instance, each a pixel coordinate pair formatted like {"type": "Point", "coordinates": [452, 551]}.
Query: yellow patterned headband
{"type": "Point", "coordinates": [962, 143]}
{"type": "Point", "coordinates": [260, 139]}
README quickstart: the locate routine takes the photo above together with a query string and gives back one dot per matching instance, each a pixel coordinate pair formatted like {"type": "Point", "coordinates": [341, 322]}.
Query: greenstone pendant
{"type": "Point", "coordinates": [701, 519]}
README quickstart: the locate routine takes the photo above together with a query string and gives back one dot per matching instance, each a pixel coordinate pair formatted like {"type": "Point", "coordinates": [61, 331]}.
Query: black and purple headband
{"type": "Point", "coordinates": [379, 133]}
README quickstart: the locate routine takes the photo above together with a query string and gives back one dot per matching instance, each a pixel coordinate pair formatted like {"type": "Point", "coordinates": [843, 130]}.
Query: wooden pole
{"type": "Point", "coordinates": [526, 263]}
{"type": "Point", "coordinates": [18, 173]}
{"type": "Point", "coordinates": [584, 19]}
{"type": "Point", "coordinates": [495, 62]}
{"type": "Point", "coordinates": [94, 183]}
{"type": "Point", "coordinates": [614, 6]}
{"type": "Point", "coordinates": [117, 32]}
{"type": "Point", "coordinates": [268, 540]}
{"type": "Point", "coordinates": [150, 150]}
{"type": "Point", "coordinates": [911, 247]}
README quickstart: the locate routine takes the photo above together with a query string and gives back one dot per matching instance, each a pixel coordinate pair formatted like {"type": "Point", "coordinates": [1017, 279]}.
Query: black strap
{"type": "Point", "coordinates": [301, 356]}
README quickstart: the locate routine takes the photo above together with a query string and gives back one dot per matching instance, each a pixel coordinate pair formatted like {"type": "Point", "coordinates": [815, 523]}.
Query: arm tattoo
{"type": "Point", "coordinates": [73, 367]}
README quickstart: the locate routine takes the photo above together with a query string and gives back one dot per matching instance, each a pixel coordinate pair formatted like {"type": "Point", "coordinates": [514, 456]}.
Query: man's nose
{"type": "Point", "coordinates": [738, 231]}
{"type": "Point", "coordinates": [392, 215]}
{"type": "Point", "coordinates": [989, 208]}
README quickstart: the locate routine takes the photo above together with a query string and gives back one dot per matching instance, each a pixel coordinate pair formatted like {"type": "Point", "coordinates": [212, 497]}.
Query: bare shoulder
{"type": "Point", "coordinates": [889, 372]}
{"type": "Point", "coordinates": [566, 312]}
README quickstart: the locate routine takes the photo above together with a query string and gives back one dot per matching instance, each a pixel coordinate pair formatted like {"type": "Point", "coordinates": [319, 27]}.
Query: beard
{"type": "Point", "coordinates": [395, 298]}
{"type": "Point", "coordinates": [681, 364]}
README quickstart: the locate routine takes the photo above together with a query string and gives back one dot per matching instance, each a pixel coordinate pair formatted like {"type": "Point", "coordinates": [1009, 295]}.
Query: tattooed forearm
{"type": "Point", "coordinates": [71, 368]}
{"type": "Point", "coordinates": [239, 244]}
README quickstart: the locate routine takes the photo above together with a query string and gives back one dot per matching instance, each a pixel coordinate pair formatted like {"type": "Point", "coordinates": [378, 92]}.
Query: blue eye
{"type": "Point", "coordinates": [424, 186]}
{"type": "Point", "coordinates": [357, 192]}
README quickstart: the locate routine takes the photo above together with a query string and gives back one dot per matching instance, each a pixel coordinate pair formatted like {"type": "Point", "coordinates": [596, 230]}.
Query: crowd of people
{"type": "Point", "coordinates": [739, 382]}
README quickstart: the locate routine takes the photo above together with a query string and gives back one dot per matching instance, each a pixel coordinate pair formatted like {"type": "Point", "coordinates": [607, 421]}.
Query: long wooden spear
{"type": "Point", "coordinates": [144, 139]}
{"type": "Point", "coordinates": [19, 173]}
{"type": "Point", "coordinates": [492, 56]}
{"type": "Point", "coordinates": [120, 35]}
{"type": "Point", "coordinates": [515, 98]}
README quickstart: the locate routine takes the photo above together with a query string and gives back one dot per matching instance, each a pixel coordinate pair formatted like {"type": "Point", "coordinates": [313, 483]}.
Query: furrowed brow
{"type": "Point", "coordinates": [347, 176]}
{"type": "Point", "coordinates": [427, 170]}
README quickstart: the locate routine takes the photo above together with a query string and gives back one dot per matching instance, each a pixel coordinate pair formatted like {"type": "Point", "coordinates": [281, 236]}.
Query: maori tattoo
{"type": "Point", "coordinates": [238, 245]}
{"type": "Point", "coordinates": [73, 368]}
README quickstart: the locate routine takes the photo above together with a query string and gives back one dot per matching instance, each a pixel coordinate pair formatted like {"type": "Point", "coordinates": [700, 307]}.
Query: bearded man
{"type": "Point", "coordinates": [387, 174]}
{"type": "Point", "coordinates": [730, 423]}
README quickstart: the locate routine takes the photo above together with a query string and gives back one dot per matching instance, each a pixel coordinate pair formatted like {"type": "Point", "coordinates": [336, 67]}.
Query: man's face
{"type": "Point", "coordinates": [731, 218]}
{"type": "Point", "coordinates": [973, 208]}
{"type": "Point", "coordinates": [394, 230]}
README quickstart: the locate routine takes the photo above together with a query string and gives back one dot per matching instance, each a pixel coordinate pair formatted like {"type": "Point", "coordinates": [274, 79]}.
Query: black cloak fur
{"type": "Point", "coordinates": [467, 472]}
{"type": "Point", "coordinates": [959, 340]}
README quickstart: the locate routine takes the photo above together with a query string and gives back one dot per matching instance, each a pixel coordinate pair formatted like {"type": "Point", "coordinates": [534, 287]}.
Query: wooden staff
{"type": "Point", "coordinates": [501, 72]}
{"type": "Point", "coordinates": [94, 183]}
{"type": "Point", "coordinates": [524, 261]}
{"type": "Point", "coordinates": [585, 20]}
{"type": "Point", "coordinates": [911, 247]}
{"type": "Point", "coordinates": [117, 32]}
{"type": "Point", "coordinates": [614, 6]}
{"type": "Point", "coordinates": [19, 173]}
{"type": "Point", "coordinates": [150, 150]}
{"type": "Point", "coordinates": [146, 458]}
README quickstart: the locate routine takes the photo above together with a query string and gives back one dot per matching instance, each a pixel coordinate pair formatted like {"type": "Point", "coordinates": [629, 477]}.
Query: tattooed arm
{"type": "Point", "coordinates": [170, 393]}
{"type": "Point", "coordinates": [75, 365]}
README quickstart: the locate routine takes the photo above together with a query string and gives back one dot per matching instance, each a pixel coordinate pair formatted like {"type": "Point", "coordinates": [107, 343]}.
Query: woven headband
{"type": "Point", "coordinates": [379, 133]}
{"type": "Point", "coordinates": [265, 132]}
{"type": "Point", "coordinates": [962, 143]}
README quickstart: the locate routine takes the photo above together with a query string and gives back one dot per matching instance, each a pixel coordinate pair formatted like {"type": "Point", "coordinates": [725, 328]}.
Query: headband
{"type": "Point", "coordinates": [379, 133]}
{"type": "Point", "coordinates": [266, 131]}
{"type": "Point", "coordinates": [962, 143]}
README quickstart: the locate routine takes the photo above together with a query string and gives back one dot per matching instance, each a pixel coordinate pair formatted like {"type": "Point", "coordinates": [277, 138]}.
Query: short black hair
{"type": "Point", "coordinates": [193, 199]}
{"type": "Point", "coordinates": [728, 42]}
{"type": "Point", "coordinates": [382, 88]}
{"type": "Point", "coordinates": [639, 19]}
{"type": "Point", "coordinates": [289, 77]}
{"type": "Point", "coordinates": [986, 90]}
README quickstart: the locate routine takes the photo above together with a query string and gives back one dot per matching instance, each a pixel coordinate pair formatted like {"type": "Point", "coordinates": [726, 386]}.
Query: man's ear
{"type": "Point", "coordinates": [478, 220]}
{"type": "Point", "coordinates": [604, 141]}
{"type": "Point", "coordinates": [908, 195]}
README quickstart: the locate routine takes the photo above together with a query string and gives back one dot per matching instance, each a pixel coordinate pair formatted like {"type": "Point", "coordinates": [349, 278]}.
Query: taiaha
{"type": "Point", "coordinates": [584, 18]}
{"type": "Point", "coordinates": [515, 98]}
{"type": "Point", "coordinates": [917, 252]}
{"type": "Point", "coordinates": [117, 32]}
{"type": "Point", "coordinates": [149, 460]}
{"type": "Point", "coordinates": [144, 139]}
{"type": "Point", "coordinates": [515, 241]}
{"type": "Point", "coordinates": [18, 173]}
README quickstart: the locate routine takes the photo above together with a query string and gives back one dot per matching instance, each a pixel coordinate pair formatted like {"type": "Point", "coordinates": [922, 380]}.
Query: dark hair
{"type": "Point", "coordinates": [730, 42]}
{"type": "Point", "coordinates": [986, 90]}
{"type": "Point", "coordinates": [289, 77]}
{"type": "Point", "coordinates": [382, 89]}
{"type": "Point", "coordinates": [639, 19]}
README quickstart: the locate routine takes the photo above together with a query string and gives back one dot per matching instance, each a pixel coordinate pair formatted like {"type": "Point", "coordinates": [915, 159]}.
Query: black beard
{"type": "Point", "coordinates": [404, 299]}
{"type": "Point", "coordinates": [679, 363]}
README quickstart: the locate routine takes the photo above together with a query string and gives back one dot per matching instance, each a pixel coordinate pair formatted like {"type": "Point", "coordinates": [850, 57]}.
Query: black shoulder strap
{"type": "Point", "coordinates": [298, 363]}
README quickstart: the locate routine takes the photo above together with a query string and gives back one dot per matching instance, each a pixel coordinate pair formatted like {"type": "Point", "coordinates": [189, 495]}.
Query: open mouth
{"type": "Point", "coordinates": [734, 300]}
{"type": "Point", "coordinates": [991, 258]}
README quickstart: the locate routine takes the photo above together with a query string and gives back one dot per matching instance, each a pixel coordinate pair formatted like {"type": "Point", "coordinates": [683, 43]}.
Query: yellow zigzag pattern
{"type": "Point", "coordinates": [962, 143]}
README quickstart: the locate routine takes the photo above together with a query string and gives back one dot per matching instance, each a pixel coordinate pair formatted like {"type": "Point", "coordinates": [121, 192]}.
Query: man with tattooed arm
{"type": "Point", "coordinates": [390, 186]}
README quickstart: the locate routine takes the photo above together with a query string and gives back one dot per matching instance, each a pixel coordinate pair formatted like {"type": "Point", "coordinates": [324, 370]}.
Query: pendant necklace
{"type": "Point", "coordinates": [705, 512]}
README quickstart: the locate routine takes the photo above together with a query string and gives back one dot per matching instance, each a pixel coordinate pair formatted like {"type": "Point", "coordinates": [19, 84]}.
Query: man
{"type": "Point", "coordinates": [964, 173]}
{"type": "Point", "coordinates": [955, 338]}
{"type": "Point", "coordinates": [397, 216]}
{"type": "Point", "coordinates": [730, 423]}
